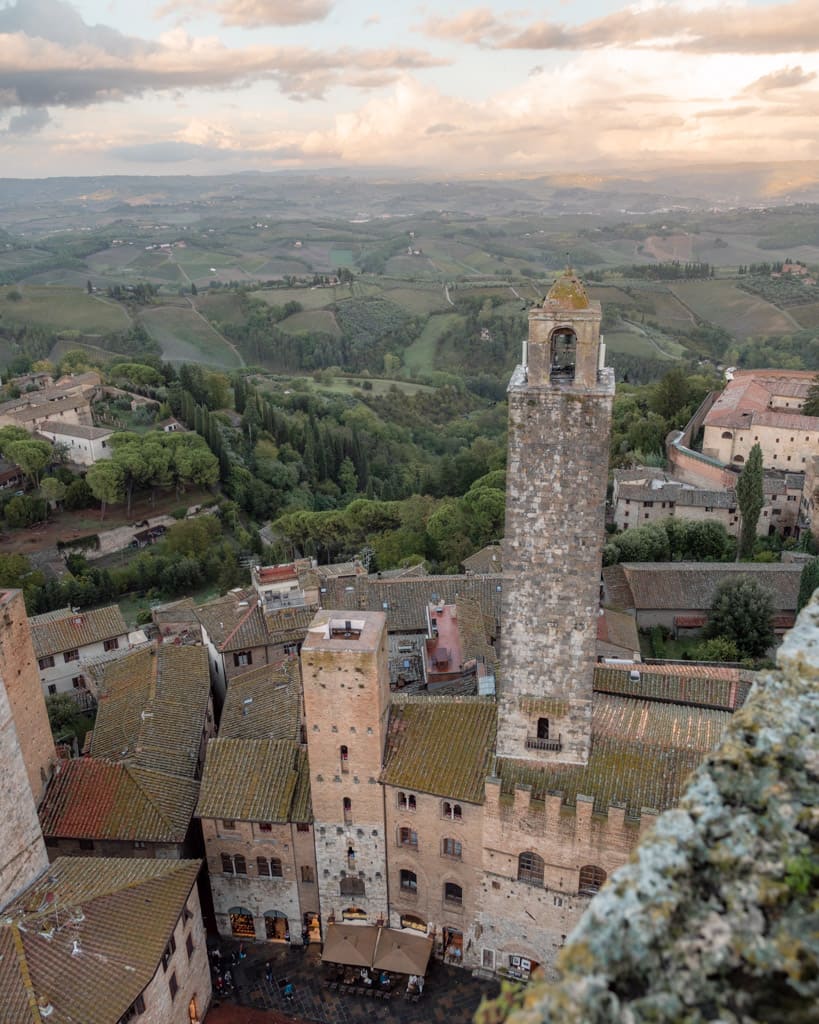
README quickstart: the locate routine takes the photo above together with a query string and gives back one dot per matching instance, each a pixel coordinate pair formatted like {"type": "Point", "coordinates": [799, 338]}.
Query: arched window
{"type": "Point", "coordinates": [344, 756]}
{"type": "Point", "coordinates": [591, 878]}
{"type": "Point", "coordinates": [408, 837]}
{"type": "Point", "coordinates": [269, 868]}
{"type": "Point", "coordinates": [351, 886]}
{"type": "Point", "coordinates": [406, 801]}
{"type": "Point", "coordinates": [563, 354]}
{"type": "Point", "coordinates": [409, 881]}
{"type": "Point", "coordinates": [543, 728]}
{"type": "Point", "coordinates": [727, 435]}
{"type": "Point", "coordinates": [530, 868]}
{"type": "Point", "coordinates": [452, 811]}
{"type": "Point", "coordinates": [348, 811]}
{"type": "Point", "coordinates": [739, 458]}
{"type": "Point", "coordinates": [453, 893]}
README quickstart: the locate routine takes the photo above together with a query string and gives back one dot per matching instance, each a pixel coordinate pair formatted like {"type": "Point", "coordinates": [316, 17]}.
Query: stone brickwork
{"type": "Point", "coordinates": [531, 917]}
{"type": "Point", "coordinates": [345, 675]}
{"type": "Point", "coordinates": [261, 894]}
{"type": "Point", "coordinates": [559, 426]}
{"type": "Point", "coordinates": [428, 849]}
{"type": "Point", "coordinates": [191, 972]}
{"type": "Point", "coordinates": [22, 852]}
{"type": "Point", "coordinates": [21, 678]}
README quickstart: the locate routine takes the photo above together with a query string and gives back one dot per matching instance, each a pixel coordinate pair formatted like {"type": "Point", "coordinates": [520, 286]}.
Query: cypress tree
{"type": "Point", "coordinates": [750, 498]}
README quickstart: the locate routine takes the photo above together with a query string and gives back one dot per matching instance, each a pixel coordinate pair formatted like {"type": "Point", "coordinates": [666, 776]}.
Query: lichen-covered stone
{"type": "Point", "coordinates": [716, 918]}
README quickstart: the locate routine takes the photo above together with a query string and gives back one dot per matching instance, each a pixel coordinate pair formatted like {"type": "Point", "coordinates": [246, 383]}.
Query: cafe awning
{"type": "Point", "coordinates": [402, 952]}
{"type": "Point", "coordinates": [352, 944]}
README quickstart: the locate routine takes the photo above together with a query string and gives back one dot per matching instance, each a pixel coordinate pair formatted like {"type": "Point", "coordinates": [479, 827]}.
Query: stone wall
{"type": "Point", "coordinates": [715, 919]}
{"type": "Point", "coordinates": [555, 503]}
{"type": "Point", "coordinates": [21, 678]}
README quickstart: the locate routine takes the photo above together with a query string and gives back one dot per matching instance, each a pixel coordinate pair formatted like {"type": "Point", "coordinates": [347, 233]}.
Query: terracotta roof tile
{"type": "Point", "coordinates": [251, 780]}
{"type": "Point", "coordinates": [91, 799]}
{"type": "Point", "coordinates": [264, 703]}
{"type": "Point", "coordinates": [64, 630]}
{"type": "Point", "coordinates": [710, 686]}
{"type": "Point", "coordinates": [440, 745]}
{"type": "Point", "coordinates": [117, 912]}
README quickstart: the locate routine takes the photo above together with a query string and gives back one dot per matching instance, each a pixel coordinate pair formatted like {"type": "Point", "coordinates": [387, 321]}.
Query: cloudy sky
{"type": "Point", "coordinates": [450, 87]}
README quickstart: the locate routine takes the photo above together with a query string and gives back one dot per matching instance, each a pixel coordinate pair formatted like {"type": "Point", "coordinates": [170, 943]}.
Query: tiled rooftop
{"type": "Point", "coordinates": [64, 630]}
{"type": "Point", "coordinates": [152, 709]}
{"type": "Point", "coordinates": [641, 754]}
{"type": "Point", "coordinates": [91, 799]}
{"type": "Point", "coordinates": [255, 780]}
{"type": "Point", "coordinates": [712, 686]}
{"type": "Point", "coordinates": [237, 622]}
{"type": "Point", "coordinates": [117, 913]}
{"type": "Point", "coordinates": [440, 745]}
{"type": "Point", "coordinates": [693, 585]}
{"type": "Point", "coordinates": [264, 703]}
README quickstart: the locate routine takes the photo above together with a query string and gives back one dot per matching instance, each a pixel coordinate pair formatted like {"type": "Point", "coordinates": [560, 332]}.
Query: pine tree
{"type": "Point", "coordinates": [750, 498]}
{"type": "Point", "coordinates": [811, 406]}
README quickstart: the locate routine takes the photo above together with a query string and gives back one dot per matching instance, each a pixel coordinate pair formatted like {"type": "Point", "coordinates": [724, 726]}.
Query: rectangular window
{"type": "Point", "coordinates": [242, 658]}
{"type": "Point", "coordinates": [189, 946]}
{"type": "Point", "coordinates": [47, 662]}
{"type": "Point", "coordinates": [451, 848]}
{"type": "Point", "coordinates": [139, 845]}
{"type": "Point", "coordinates": [302, 828]}
{"type": "Point", "coordinates": [229, 824]}
{"type": "Point", "coordinates": [407, 837]}
{"type": "Point", "coordinates": [307, 874]}
{"type": "Point", "coordinates": [78, 682]}
{"type": "Point", "coordinates": [488, 959]}
{"type": "Point", "coordinates": [111, 645]}
{"type": "Point", "coordinates": [86, 844]}
{"type": "Point", "coordinates": [263, 867]}
{"type": "Point", "coordinates": [265, 826]}
{"type": "Point", "coordinates": [71, 656]}
{"type": "Point", "coordinates": [170, 949]}
{"type": "Point", "coordinates": [173, 985]}
{"type": "Point", "coordinates": [52, 689]}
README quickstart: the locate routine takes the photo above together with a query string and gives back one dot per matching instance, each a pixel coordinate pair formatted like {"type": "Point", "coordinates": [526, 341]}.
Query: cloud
{"type": "Point", "coordinates": [253, 13]}
{"type": "Point", "coordinates": [786, 78]}
{"type": "Point", "coordinates": [663, 25]}
{"type": "Point", "coordinates": [165, 152]}
{"type": "Point", "coordinates": [27, 122]}
{"type": "Point", "coordinates": [61, 61]}
{"type": "Point", "coordinates": [440, 128]}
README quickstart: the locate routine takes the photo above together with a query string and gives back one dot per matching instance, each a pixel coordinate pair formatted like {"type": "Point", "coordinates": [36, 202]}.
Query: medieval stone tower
{"type": "Point", "coordinates": [560, 402]}
{"type": "Point", "coordinates": [346, 704]}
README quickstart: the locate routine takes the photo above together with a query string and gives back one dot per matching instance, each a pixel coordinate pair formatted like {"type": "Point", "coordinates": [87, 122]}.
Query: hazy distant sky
{"type": "Point", "coordinates": [450, 87]}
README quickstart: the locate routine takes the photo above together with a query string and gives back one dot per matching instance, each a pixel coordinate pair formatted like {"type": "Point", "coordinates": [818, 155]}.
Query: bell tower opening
{"type": "Point", "coordinates": [562, 354]}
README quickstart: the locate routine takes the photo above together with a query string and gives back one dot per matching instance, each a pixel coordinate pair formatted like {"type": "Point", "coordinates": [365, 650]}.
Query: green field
{"type": "Point", "coordinates": [310, 298]}
{"type": "Point", "coordinates": [634, 340]}
{"type": "Point", "coordinates": [724, 304]}
{"type": "Point", "coordinates": [806, 316]}
{"type": "Point", "coordinates": [420, 301]}
{"type": "Point", "coordinates": [61, 309]}
{"type": "Point", "coordinates": [341, 258]}
{"type": "Point", "coordinates": [223, 304]}
{"type": "Point", "coordinates": [420, 356]}
{"type": "Point", "coordinates": [186, 337]}
{"type": "Point", "coordinates": [322, 320]}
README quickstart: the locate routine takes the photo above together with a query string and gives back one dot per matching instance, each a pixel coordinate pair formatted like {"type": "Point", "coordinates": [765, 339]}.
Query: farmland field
{"type": "Point", "coordinates": [310, 298]}
{"type": "Point", "coordinates": [420, 356]}
{"type": "Point", "coordinates": [186, 337]}
{"type": "Point", "coordinates": [806, 316]}
{"type": "Point", "coordinates": [322, 320]}
{"type": "Point", "coordinates": [62, 309]}
{"type": "Point", "coordinates": [419, 301]}
{"type": "Point", "coordinates": [724, 304]}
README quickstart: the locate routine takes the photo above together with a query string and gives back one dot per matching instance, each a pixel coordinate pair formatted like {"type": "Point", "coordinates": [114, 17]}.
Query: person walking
{"type": "Point", "coordinates": [289, 991]}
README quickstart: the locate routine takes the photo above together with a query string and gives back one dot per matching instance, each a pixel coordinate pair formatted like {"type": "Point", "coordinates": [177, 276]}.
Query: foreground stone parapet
{"type": "Point", "coordinates": [716, 919]}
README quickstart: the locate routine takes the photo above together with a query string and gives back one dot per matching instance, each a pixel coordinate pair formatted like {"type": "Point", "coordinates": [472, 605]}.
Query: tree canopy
{"type": "Point", "coordinates": [742, 611]}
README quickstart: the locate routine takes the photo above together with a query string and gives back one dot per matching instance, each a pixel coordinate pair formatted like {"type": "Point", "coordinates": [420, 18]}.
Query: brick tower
{"type": "Point", "coordinates": [560, 402]}
{"type": "Point", "coordinates": [346, 704]}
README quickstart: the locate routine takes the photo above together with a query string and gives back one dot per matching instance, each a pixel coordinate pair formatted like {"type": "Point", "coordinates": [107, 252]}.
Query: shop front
{"type": "Point", "coordinates": [276, 926]}
{"type": "Point", "coordinates": [415, 923]}
{"type": "Point", "coordinates": [520, 967]}
{"type": "Point", "coordinates": [241, 923]}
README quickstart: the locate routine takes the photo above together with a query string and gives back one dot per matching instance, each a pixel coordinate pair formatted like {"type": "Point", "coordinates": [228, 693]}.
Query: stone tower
{"type": "Point", "coordinates": [346, 705]}
{"type": "Point", "coordinates": [560, 402]}
{"type": "Point", "coordinates": [21, 678]}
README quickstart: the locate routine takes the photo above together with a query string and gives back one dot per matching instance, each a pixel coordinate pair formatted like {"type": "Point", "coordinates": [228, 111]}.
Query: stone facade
{"type": "Point", "coordinates": [273, 900]}
{"type": "Point", "coordinates": [346, 704]}
{"type": "Point", "coordinates": [189, 970]}
{"type": "Point", "coordinates": [559, 426]}
{"type": "Point", "coordinates": [21, 679]}
{"type": "Point", "coordinates": [22, 854]}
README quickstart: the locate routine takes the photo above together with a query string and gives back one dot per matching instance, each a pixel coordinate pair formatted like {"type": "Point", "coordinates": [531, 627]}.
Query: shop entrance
{"type": "Point", "coordinates": [276, 926]}
{"type": "Point", "coordinates": [241, 923]}
{"type": "Point", "coordinates": [312, 926]}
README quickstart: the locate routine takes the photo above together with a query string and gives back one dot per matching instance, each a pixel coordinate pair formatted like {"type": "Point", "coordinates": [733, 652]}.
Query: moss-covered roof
{"type": "Point", "coordinates": [642, 752]}
{"type": "Point", "coordinates": [255, 780]}
{"type": "Point", "coordinates": [441, 746]}
{"type": "Point", "coordinates": [264, 703]}
{"type": "Point", "coordinates": [568, 292]}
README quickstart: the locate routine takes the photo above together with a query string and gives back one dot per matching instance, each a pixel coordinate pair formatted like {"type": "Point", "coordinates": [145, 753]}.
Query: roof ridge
{"type": "Point", "coordinates": [25, 974]}
{"type": "Point", "coordinates": [165, 819]}
{"type": "Point", "coordinates": [253, 605]}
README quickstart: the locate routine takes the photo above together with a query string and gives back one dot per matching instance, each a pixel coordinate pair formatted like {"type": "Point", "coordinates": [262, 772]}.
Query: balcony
{"type": "Point", "coordinates": [535, 743]}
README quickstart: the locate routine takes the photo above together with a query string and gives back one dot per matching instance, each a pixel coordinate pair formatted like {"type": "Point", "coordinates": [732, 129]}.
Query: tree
{"type": "Point", "coordinates": [811, 406]}
{"type": "Point", "coordinates": [63, 713]}
{"type": "Point", "coordinates": [52, 489]}
{"type": "Point", "coordinates": [106, 482]}
{"type": "Point", "coordinates": [750, 499]}
{"type": "Point", "coordinates": [31, 456]}
{"type": "Point", "coordinates": [718, 648]}
{"type": "Point", "coordinates": [671, 394]}
{"type": "Point", "coordinates": [743, 612]}
{"type": "Point", "coordinates": [808, 582]}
